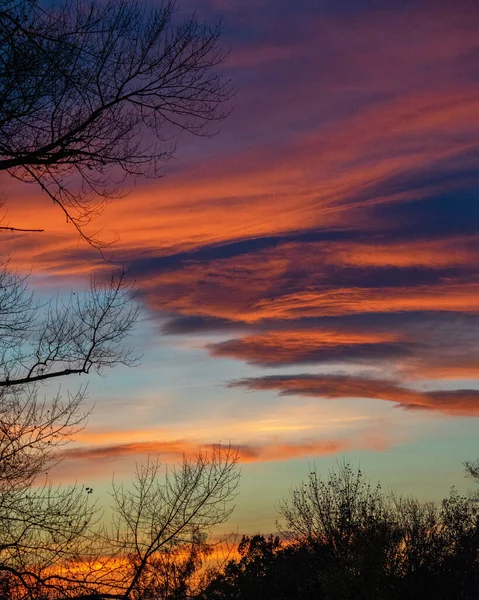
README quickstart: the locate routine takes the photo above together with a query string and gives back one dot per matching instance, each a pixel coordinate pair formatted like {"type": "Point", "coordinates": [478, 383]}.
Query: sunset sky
{"type": "Point", "coordinates": [309, 276]}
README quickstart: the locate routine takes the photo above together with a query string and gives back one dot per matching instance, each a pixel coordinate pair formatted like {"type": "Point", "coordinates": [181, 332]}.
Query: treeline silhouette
{"type": "Point", "coordinates": [343, 539]}
{"type": "Point", "coordinates": [340, 538]}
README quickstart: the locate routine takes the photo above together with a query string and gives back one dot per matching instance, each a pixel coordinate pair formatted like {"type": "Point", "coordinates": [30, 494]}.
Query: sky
{"type": "Point", "coordinates": [308, 277]}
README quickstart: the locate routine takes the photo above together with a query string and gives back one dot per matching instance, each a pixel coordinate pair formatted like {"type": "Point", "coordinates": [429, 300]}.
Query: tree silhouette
{"type": "Point", "coordinates": [42, 526]}
{"type": "Point", "coordinates": [347, 540]}
{"type": "Point", "coordinates": [161, 526]}
{"type": "Point", "coordinates": [53, 542]}
{"type": "Point", "coordinates": [78, 335]}
{"type": "Point", "coordinates": [92, 92]}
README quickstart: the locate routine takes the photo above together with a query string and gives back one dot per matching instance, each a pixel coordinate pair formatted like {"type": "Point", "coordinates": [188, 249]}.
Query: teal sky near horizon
{"type": "Point", "coordinates": [308, 278]}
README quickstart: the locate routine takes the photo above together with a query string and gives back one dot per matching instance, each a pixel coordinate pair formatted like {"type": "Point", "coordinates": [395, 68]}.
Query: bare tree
{"type": "Point", "coordinates": [154, 547]}
{"type": "Point", "coordinates": [91, 92]}
{"type": "Point", "coordinates": [368, 544]}
{"type": "Point", "coordinates": [42, 526]}
{"type": "Point", "coordinates": [78, 335]}
{"type": "Point", "coordinates": [177, 572]}
{"type": "Point", "coordinates": [333, 509]}
{"type": "Point", "coordinates": [159, 520]}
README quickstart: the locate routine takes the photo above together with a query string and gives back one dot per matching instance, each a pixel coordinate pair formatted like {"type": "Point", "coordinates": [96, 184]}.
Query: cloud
{"type": "Point", "coordinates": [418, 345]}
{"type": "Point", "coordinates": [463, 402]}
{"type": "Point", "coordinates": [176, 449]}
{"type": "Point", "coordinates": [306, 279]}
{"type": "Point", "coordinates": [276, 348]}
{"type": "Point", "coordinates": [89, 462]}
{"type": "Point", "coordinates": [374, 158]}
{"type": "Point", "coordinates": [338, 112]}
{"type": "Point", "coordinates": [454, 297]}
{"type": "Point", "coordinates": [455, 251]}
{"type": "Point", "coordinates": [198, 324]}
{"type": "Point", "coordinates": [334, 220]}
{"type": "Point", "coordinates": [459, 365]}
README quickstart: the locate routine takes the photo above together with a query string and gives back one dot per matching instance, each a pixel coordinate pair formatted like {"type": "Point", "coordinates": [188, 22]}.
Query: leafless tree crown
{"type": "Point", "coordinates": [53, 541]}
{"type": "Point", "coordinates": [83, 333]}
{"type": "Point", "coordinates": [43, 527]}
{"type": "Point", "coordinates": [93, 92]}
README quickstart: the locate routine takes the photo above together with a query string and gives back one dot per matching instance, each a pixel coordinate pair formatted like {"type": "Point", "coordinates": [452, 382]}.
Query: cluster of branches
{"type": "Point", "coordinates": [55, 544]}
{"type": "Point", "coordinates": [344, 539]}
{"type": "Point", "coordinates": [85, 332]}
{"type": "Point", "coordinates": [93, 92]}
{"type": "Point", "coordinates": [54, 541]}
{"type": "Point", "coordinates": [38, 342]}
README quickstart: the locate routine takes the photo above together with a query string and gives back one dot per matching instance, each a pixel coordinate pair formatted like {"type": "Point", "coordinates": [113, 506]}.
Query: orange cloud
{"type": "Point", "coordinates": [332, 139]}
{"type": "Point", "coordinates": [462, 367]}
{"type": "Point", "coordinates": [436, 347]}
{"type": "Point", "coordinates": [340, 301]}
{"type": "Point", "coordinates": [449, 252]}
{"type": "Point", "coordinates": [284, 435]}
{"type": "Point", "coordinates": [312, 346]}
{"type": "Point", "coordinates": [298, 280]}
{"type": "Point", "coordinates": [175, 450]}
{"type": "Point", "coordinates": [462, 402]}
{"type": "Point", "coordinates": [265, 192]}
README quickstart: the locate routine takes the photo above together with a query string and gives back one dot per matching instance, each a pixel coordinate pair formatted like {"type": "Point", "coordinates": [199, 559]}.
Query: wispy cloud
{"type": "Point", "coordinates": [461, 402]}
{"type": "Point", "coordinates": [303, 346]}
{"type": "Point", "coordinates": [247, 452]}
{"type": "Point", "coordinates": [333, 224]}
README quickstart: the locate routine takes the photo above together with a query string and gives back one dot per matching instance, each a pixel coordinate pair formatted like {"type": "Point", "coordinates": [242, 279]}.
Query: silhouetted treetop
{"type": "Point", "coordinates": [348, 540]}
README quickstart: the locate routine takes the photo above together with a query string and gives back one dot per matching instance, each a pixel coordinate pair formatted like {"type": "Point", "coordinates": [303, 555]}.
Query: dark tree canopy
{"type": "Point", "coordinates": [348, 540]}
{"type": "Point", "coordinates": [92, 92]}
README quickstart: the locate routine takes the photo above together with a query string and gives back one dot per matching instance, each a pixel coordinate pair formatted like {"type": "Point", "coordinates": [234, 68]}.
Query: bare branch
{"type": "Point", "coordinates": [92, 94]}
{"type": "Point", "coordinates": [20, 230]}
{"type": "Point", "coordinates": [83, 333]}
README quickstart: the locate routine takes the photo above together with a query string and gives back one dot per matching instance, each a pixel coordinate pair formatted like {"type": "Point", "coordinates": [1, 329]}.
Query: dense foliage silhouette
{"type": "Point", "coordinates": [344, 539]}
